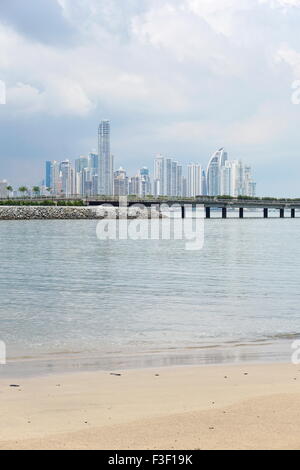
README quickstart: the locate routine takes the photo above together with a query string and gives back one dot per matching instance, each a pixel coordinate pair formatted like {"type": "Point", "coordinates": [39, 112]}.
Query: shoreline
{"type": "Point", "coordinates": [245, 406]}
{"type": "Point", "coordinates": [256, 352]}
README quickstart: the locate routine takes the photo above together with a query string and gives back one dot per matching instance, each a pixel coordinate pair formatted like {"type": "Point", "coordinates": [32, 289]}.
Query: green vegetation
{"type": "Point", "coordinates": [23, 190]}
{"type": "Point", "coordinates": [70, 203]}
{"type": "Point", "coordinates": [247, 198]}
{"type": "Point", "coordinates": [45, 202]}
{"type": "Point", "coordinates": [36, 190]}
{"type": "Point", "coordinates": [225, 197]}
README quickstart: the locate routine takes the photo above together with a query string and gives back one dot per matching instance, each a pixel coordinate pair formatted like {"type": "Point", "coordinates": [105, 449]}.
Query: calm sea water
{"type": "Point", "coordinates": [65, 294]}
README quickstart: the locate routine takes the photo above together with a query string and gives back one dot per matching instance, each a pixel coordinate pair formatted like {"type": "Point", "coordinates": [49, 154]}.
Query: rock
{"type": "Point", "coordinates": [74, 213]}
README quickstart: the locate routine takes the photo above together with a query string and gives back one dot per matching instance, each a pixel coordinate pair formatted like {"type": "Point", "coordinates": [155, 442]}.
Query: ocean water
{"type": "Point", "coordinates": [69, 300]}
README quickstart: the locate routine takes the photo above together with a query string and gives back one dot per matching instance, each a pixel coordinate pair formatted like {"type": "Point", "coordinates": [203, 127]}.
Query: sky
{"type": "Point", "coordinates": [177, 77]}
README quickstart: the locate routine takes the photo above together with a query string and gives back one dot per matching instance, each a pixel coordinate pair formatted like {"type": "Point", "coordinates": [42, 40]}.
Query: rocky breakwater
{"type": "Point", "coordinates": [74, 213]}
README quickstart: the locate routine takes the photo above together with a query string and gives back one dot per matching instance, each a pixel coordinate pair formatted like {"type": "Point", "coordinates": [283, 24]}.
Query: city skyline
{"type": "Point", "coordinates": [103, 163]}
{"type": "Point", "coordinates": [95, 174]}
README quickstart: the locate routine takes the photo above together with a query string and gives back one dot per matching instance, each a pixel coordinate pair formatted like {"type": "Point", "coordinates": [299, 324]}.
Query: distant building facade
{"type": "Point", "coordinates": [106, 160]}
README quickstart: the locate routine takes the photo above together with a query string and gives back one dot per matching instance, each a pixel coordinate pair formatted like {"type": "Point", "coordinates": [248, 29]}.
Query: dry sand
{"type": "Point", "coordinates": [213, 407]}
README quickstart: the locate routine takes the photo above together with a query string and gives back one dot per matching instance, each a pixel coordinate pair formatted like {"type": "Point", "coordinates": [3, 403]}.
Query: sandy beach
{"type": "Point", "coordinates": [209, 407]}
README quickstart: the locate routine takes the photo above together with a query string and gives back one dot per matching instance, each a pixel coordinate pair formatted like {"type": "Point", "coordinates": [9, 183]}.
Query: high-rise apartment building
{"type": "Point", "coordinates": [55, 183]}
{"type": "Point", "coordinates": [249, 184]}
{"type": "Point", "coordinates": [106, 165]}
{"type": "Point", "coordinates": [167, 177]}
{"type": "Point", "coordinates": [179, 180]}
{"type": "Point", "coordinates": [145, 185]}
{"type": "Point", "coordinates": [226, 181]}
{"type": "Point", "coordinates": [121, 183]}
{"type": "Point", "coordinates": [66, 174]}
{"type": "Point", "coordinates": [195, 180]}
{"type": "Point", "coordinates": [159, 176]}
{"type": "Point", "coordinates": [135, 185]}
{"type": "Point", "coordinates": [168, 187]}
{"type": "Point", "coordinates": [236, 179]}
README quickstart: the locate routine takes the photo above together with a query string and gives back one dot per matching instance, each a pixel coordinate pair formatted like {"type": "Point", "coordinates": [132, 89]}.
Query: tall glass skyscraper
{"type": "Point", "coordinates": [159, 176]}
{"type": "Point", "coordinates": [213, 173]}
{"type": "Point", "coordinates": [48, 174]}
{"type": "Point", "coordinates": [106, 167]}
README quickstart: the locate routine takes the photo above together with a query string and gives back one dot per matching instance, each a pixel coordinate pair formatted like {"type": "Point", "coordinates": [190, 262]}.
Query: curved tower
{"type": "Point", "coordinates": [213, 174]}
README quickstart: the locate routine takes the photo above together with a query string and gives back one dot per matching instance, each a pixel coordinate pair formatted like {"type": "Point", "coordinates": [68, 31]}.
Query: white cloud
{"type": "Point", "coordinates": [281, 3]}
{"type": "Point", "coordinates": [184, 35]}
{"type": "Point", "coordinates": [290, 57]}
{"type": "Point", "coordinates": [170, 51]}
{"type": "Point", "coordinates": [204, 65]}
{"type": "Point", "coordinates": [257, 129]}
{"type": "Point", "coordinates": [220, 15]}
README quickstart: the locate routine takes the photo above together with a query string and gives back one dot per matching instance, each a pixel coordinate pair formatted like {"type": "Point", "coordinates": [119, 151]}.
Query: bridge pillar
{"type": "Point", "coordinates": [266, 213]}
{"type": "Point", "coordinates": [207, 212]}
{"type": "Point", "coordinates": [241, 212]}
{"type": "Point", "coordinates": [281, 213]}
{"type": "Point", "coordinates": [224, 212]}
{"type": "Point", "coordinates": [293, 213]}
{"type": "Point", "coordinates": [183, 211]}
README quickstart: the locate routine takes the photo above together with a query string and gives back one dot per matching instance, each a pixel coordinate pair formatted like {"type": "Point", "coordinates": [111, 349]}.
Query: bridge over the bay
{"type": "Point", "coordinates": [285, 207]}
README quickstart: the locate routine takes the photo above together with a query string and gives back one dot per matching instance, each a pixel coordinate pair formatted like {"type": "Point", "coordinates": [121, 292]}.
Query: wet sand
{"type": "Point", "coordinates": [207, 407]}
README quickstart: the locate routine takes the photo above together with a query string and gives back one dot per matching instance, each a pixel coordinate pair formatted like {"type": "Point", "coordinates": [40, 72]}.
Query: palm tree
{"type": "Point", "coordinates": [9, 189]}
{"type": "Point", "coordinates": [36, 190]}
{"type": "Point", "coordinates": [23, 190]}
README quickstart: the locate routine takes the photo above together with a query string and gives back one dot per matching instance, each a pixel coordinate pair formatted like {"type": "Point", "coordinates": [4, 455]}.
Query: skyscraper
{"type": "Point", "coordinates": [66, 175]}
{"type": "Point", "coordinates": [121, 183]}
{"type": "Point", "coordinates": [48, 174]}
{"type": "Point", "coordinates": [237, 178]}
{"type": "Point", "coordinates": [135, 185]}
{"type": "Point", "coordinates": [249, 184]}
{"type": "Point", "coordinates": [106, 170]}
{"type": "Point", "coordinates": [179, 180]}
{"type": "Point", "coordinates": [145, 181]}
{"type": "Point", "coordinates": [55, 181]}
{"type": "Point", "coordinates": [204, 183]}
{"type": "Point", "coordinates": [168, 188]}
{"type": "Point", "coordinates": [174, 179]}
{"type": "Point", "coordinates": [81, 163]}
{"type": "Point", "coordinates": [93, 162]}
{"type": "Point", "coordinates": [213, 174]}
{"type": "Point", "coordinates": [226, 182]}
{"type": "Point", "coordinates": [94, 168]}
{"type": "Point", "coordinates": [194, 180]}
{"type": "Point", "coordinates": [159, 176]}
